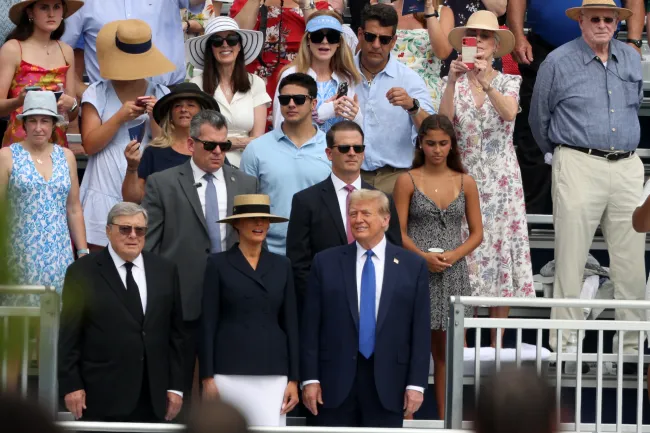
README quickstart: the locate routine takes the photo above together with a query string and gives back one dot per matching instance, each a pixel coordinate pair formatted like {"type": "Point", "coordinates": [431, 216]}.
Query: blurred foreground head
{"type": "Point", "coordinates": [21, 416]}
{"type": "Point", "coordinates": [515, 401]}
{"type": "Point", "coordinates": [217, 417]}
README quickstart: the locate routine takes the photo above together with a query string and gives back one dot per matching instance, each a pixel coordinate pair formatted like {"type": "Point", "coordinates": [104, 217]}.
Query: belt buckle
{"type": "Point", "coordinates": [607, 155]}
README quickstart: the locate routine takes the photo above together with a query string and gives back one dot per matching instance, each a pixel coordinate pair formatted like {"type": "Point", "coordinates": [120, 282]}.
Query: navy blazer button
{"type": "Point", "coordinates": [354, 358]}
{"type": "Point", "coordinates": [207, 250]}
{"type": "Point", "coordinates": [144, 333]}
{"type": "Point", "coordinates": [142, 358]}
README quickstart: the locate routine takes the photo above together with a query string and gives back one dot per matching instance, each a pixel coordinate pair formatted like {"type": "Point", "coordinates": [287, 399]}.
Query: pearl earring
{"type": "Point", "coordinates": [31, 20]}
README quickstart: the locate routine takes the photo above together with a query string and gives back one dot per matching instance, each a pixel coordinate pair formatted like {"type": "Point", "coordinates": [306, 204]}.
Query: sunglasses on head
{"type": "Point", "coordinates": [345, 148]}
{"type": "Point", "coordinates": [211, 145]}
{"type": "Point", "coordinates": [606, 20]}
{"type": "Point", "coordinates": [127, 230]}
{"type": "Point", "coordinates": [370, 37]}
{"type": "Point", "coordinates": [231, 40]}
{"type": "Point", "coordinates": [297, 99]}
{"type": "Point", "coordinates": [333, 37]}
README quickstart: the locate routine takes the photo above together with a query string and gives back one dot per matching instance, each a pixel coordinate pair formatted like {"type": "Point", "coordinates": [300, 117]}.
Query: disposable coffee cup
{"type": "Point", "coordinates": [436, 250]}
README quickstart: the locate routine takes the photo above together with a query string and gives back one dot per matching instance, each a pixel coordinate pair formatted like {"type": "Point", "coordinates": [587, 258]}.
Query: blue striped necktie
{"type": "Point", "coordinates": [367, 321]}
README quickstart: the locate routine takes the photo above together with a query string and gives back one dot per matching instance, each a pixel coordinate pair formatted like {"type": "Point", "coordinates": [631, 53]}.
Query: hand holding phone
{"type": "Point", "coordinates": [342, 90]}
{"type": "Point", "coordinates": [141, 101]}
{"type": "Point", "coordinates": [469, 51]}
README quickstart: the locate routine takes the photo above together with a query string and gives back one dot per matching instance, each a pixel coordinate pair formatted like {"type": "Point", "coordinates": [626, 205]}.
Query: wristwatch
{"type": "Point", "coordinates": [84, 251]}
{"type": "Point", "coordinates": [311, 5]}
{"type": "Point", "coordinates": [74, 106]}
{"type": "Point", "coordinates": [415, 108]}
{"type": "Point", "coordinates": [433, 15]}
{"type": "Point", "coordinates": [635, 42]}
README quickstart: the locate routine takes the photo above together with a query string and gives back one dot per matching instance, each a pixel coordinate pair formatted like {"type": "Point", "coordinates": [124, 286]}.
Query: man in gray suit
{"type": "Point", "coordinates": [184, 204]}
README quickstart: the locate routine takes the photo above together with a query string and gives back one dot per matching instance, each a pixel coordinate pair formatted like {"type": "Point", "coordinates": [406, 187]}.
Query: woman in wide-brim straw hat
{"type": "Point", "coordinates": [33, 56]}
{"type": "Point", "coordinates": [250, 319]}
{"type": "Point", "coordinates": [483, 104]}
{"type": "Point", "coordinates": [122, 100]}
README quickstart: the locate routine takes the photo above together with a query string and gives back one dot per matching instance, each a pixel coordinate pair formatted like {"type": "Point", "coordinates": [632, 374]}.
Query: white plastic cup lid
{"type": "Point", "coordinates": [436, 250]}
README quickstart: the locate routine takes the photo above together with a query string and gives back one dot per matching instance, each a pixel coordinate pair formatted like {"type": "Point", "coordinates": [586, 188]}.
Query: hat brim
{"type": "Point", "coordinates": [164, 104]}
{"type": "Point", "coordinates": [252, 44]}
{"type": "Point", "coordinates": [506, 39]}
{"type": "Point", "coordinates": [115, 64]}
{"type": "Point", "coordinates": [271, 218]}
{"type": "Point", "coordinates": [39, 112]}
{"type": "Point", "coordinates": [17, 10]}
{"type": "Point", "coordinates": [574, 13]}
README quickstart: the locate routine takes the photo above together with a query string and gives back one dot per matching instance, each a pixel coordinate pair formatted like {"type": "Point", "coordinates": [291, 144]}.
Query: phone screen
{"type": "Point", "coordinates": [469, 51]}
{"type": "Point", "coordinates": [343, 90]}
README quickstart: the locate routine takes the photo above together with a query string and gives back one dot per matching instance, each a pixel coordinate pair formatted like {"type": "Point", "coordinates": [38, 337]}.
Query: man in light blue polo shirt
{"type": "Point", "coordinates": [290, 158]}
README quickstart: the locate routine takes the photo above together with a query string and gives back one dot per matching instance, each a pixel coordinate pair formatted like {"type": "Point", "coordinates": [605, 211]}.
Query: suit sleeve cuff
{"type": "Point", "coordinates": [308, 382]}
{"type": "Point", "coordinates": [415, 388]}
{"type": "Point", "coordinates": [176, 392]}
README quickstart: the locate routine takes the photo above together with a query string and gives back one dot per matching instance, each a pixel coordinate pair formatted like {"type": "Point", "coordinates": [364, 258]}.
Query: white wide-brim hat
{"type": "Point", "coordinates": [483, 20]}
{"type": "Point", "coordinates": [252, 41]}
{"type": "Point", "coordinates": [40, 103]}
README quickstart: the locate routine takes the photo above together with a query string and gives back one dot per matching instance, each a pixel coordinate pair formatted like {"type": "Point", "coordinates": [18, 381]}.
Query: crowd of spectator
{"type": "Point", "coordinates": [278, 203]}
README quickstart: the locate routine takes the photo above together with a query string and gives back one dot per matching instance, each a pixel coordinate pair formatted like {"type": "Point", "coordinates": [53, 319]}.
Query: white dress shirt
{"type": "Point", "coordinates": [342, 195]}
{"type": "Point", "coordinates": [222, 195]}
{"type": "Point", "coordinates": [140, 279]}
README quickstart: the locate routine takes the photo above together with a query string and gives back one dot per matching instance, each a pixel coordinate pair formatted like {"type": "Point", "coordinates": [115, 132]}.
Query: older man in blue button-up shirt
{"type": "Point", "coordinates": [584, 110]}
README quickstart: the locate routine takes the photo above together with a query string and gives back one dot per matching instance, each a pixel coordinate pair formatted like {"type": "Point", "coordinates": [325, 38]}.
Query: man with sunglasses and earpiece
{"type": "Point", "coordinates": [394, 100]}
{"type": "Point", "coordinates": [290, 158]}
{"type": "Point", "coordinates": [184, 205]}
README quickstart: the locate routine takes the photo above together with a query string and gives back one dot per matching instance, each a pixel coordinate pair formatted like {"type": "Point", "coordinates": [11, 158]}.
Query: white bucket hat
{"type": "Point", "coordinates": [252, 41]}
{"type": "Point", "coordinates": [40, 103]}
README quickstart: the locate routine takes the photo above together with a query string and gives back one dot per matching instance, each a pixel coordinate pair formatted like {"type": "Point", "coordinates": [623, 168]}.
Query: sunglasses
{"type": "Point", "coordinates": [298, 99]}
{"type": "Point", "coordinates": [370, 37]}
{"type": "Point", "coordinates": [231, 40]}
{"type": "Point", "coordinates": [333, 37]}
{"type": "Point", "coordinates": [127, 230]}
{"type": "Point", "coordinates": [606, 20]}
{"type": "Point", "coordinates": [484, 35]}
{"type": "Point", "coordinates": [211, 145]}
{"type": "Point", "coordinates": [345, 148]}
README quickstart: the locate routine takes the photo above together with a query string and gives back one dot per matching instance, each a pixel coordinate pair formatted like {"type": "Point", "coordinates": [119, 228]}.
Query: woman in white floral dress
{"type": "Point", "coordinates": [483, 104]}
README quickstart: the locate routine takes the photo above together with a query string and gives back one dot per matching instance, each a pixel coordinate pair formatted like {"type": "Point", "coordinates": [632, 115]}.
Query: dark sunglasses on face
{"type": "Point", "coordinates": [333, 37]}
{"type": "Point", "coordinates": [231, 40]}
{"type": "Point", "coordinates": [370, 37]}
{"type": "Point", "coordinates": [211, 145]}
{"type": "Point", "coordinates": [297, 99]}
{"type": "Point", "coordinates": [127, 230]}
{"type": "Point", "coordinates": [345, 148]}
{"type": "Point", "coordinates": [484, 35]}
{"type": "Point", "coordinates": [606, 20]}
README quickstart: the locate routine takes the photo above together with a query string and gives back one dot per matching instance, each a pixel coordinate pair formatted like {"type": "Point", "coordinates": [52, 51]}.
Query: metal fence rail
{"type": "Point", "coordinates": [458, 323]}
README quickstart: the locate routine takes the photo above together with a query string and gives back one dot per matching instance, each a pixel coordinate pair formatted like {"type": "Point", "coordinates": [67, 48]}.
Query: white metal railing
{"type": "Point", "coordinates": [458, 323]}
{"type": "Point", "coordinates": [143, 427]}
{"type": "Point", "coordinates": [48, 339]}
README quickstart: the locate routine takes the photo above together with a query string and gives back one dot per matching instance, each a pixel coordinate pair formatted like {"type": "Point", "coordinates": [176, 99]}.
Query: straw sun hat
{"type": "Point", "coordinates": [17, 10]}
{"type": "Point", "coordinates": [484, 20]}
{"type": "Point", "coordinates": [252, 206]}
{"type": "Point", "coordinates": [574, 13]}
{"type": "Point", "coordinates": [125, 52]}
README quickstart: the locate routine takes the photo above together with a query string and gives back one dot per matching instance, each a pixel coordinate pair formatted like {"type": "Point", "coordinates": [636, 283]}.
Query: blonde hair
{"type": "Point", "coordinates": [342, 62]}
{"type": "Point", "coordinates": [166, 137]}
{"type": "Point", "coordinates": [371, 195]}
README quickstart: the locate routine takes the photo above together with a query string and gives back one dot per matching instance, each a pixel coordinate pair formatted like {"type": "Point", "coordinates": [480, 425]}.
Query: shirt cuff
{"type": "Point", "coordinates": [308, 382]}
{"type": "Point", "coordinates": [176, 392]}
{"type": "Point", "coordinates": [415, 388]}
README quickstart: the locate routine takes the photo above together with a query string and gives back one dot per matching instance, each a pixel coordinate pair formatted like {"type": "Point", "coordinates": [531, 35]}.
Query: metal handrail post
{"type": "Point", "coordinates": [48, 350]}
{"type": "Point", "coordinates": [454, 365]}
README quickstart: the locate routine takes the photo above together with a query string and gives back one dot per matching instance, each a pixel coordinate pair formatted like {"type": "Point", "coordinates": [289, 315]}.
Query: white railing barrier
{"type": "Point", "coordinates": [49, 331]}
{"type": "Point", "coordinates": [458, 323]}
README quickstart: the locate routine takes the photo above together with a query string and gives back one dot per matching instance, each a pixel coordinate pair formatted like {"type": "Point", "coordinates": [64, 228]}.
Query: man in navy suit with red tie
{"type": "Point", "coordinates": [365, 333]}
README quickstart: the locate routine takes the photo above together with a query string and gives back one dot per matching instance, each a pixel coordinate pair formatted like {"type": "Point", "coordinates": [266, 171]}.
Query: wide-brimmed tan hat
{"type": "Point", "coordinates": [17, 10]}
{"type": "Point", "coordinates": [574, 13]}
{"type": "Point", "coordinates": [125, 52]}
{"type": "Point", "coordinates": [252, 206]}
{"type": "Point", "coordinates": [484, 20]}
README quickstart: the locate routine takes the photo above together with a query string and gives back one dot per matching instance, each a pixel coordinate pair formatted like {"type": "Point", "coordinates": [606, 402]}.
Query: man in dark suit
{"type": "Point", "coordinates": [121, 336]}
{"type": "Point", "coordinates": [319, 213]}
{"type": "Point", "coordinates": [365, 326]}
{"type": "Point", "coordinates": [184, 205]}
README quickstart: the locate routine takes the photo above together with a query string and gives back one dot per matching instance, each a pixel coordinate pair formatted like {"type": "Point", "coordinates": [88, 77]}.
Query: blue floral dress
{"type": "Point", "coordinates": [326, 89]}
{"type": "Point", "coordinates": [40, 240]}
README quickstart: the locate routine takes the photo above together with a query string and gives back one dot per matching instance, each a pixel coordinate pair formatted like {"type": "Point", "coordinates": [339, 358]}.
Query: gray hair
{"type": "Point", "coordinates": [126, 208]}
{"type": "Point", "coordinates": [209, 117]}
{"type": "Point", "coordinates": [372, 195]}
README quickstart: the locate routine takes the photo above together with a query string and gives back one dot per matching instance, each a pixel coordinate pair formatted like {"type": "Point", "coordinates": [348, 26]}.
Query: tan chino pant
{"type": "Point", "coordinates": [384, 178]}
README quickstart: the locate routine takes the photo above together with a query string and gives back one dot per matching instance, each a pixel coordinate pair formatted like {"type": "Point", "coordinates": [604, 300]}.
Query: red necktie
{"type": "Point", "coordinates": [349, 189]}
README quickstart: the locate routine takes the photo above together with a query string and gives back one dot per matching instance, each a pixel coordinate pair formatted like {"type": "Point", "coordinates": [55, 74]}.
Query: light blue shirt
{"type": "Point", "coordinates": [163, 16]}
{"type": "Point", "coordinates": [389, 131]}
{"type": "Point", "coordinates": [283, 169]}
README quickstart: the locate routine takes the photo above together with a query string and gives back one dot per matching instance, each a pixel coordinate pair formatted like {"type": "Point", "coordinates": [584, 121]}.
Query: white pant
{"type": "Point", "coordinates": [588, 191]}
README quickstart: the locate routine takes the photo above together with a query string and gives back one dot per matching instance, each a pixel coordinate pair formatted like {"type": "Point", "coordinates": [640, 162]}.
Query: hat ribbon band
{"type": "Point", "coordinates": [600, 5]}
{"type": "Point", "coordinates": [251, 208]}
{"type": "Point", "coordinates": [133, 48]}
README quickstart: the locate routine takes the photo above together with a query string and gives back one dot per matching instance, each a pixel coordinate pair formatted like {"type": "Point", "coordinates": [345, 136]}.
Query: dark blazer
{"type": "Point", "coordinates": [101, 344]}
{"type": "Point", "coordinates": [316, 225]}
{"type": "Point", "coordinates": [177, 228]}
{"type": "Point", "coordinates": [249, 324]}
{"type": "Point", "coordinates": [329, 334]}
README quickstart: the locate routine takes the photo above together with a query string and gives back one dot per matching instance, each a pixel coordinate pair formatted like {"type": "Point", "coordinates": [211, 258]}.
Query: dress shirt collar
{"type": "Point", "coordinates": [199, 173]}
{"type": "Point", "coordinates": [379, 250]}
{"type": "Point", "coordinates": [339, 184]}
{"type": "Point", "coordinates": [279, 135]}
{"type": "Point", "coordinates": [588, 54]}
{"type": "Point", "coordinates": [390, 69]}
{"type": "Point", "coordinates": [119, 261]}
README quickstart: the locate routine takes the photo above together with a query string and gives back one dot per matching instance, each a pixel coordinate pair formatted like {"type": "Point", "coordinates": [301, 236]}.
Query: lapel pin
{"type": "Point", "coordinates": [232, 178]}
{"type": "Point", "coordinates": [396, 261]}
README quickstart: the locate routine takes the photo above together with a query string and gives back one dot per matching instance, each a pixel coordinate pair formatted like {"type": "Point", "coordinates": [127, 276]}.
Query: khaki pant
{"type": "Point", "coordinates": [384, 178]}
{"type": "Point", "coordinates": [588, 191]}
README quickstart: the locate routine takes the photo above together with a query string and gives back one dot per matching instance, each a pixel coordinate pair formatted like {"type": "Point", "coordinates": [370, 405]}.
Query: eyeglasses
{"type": "Point", "coordinates": [298, 99]}
{"type": "Point", "coordinates": [333, 37]}
{"type": "Point", "coordinates": [231, 40]}
{"type": "Point", "coordinates": [211, 145]}
{"type": "Point", "coordinates": [127, 230]}
{"type": "Point", "coordinates": [606, 20]}
{"type": "Point", "coordinates": [345, 148]}
{"type": "Point", "coordinates": [370, 37]}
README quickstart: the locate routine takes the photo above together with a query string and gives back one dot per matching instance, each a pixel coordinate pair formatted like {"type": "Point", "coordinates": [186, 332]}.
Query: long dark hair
{"type": "Point", "coordinates": [240, 81]}
{"type": "Point", "coordinates": [442, 123]}
{"type": "Point", "coordinates": [25, 28]}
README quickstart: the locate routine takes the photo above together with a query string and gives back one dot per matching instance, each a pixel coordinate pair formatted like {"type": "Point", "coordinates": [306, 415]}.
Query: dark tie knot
{"type": "Point", "coordinates": [128, 266]}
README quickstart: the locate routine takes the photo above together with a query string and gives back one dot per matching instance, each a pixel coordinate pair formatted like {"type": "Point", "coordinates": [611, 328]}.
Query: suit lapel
{"type": "Point", "coordinates": [332, 204]}
{"type": "Point", "coordinates": [231, 189]}
{"type": "Point", "coordinates": [349, 264]}
{"type": "Point", "coordinates": [109, 272]}
{"type": "Point", "coordinates": [239, 262]}
{"type": "Point", "coordinates": [391, 272]}
{"type": "Point", "coordinates": [186, 179]}
{"type": "Point", "coordinates": [150, 277]}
